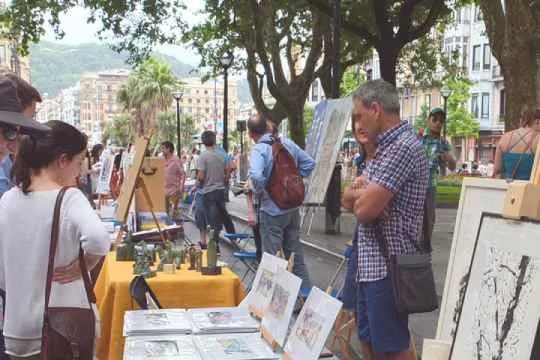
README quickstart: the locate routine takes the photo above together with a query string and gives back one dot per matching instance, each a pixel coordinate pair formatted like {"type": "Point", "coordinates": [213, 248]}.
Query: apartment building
{"type": "Point", "coordinates": [203, 101]}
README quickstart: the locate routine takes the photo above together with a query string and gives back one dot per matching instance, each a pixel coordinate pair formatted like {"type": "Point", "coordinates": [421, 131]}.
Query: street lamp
{"type": "Point", "coordinates": [178, 96]}
{"type": "Point", "coordinates": [241, 126]}
{"type": "Point", "coordinates": [445, 93]}
{"type": "Point", "coordinates": [226, 62]}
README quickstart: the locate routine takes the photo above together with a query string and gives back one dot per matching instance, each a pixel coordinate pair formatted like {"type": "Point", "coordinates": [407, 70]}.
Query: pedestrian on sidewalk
{"type": "Point", "coordinates": [175, 177]}
{"type": "Point", "coordinates": [389, 197]}
{"type": "Point", "coordinates": [211, 173]}
{"type": "Point", "coordinates": [280, 228]}
{"type": "Point", "coordinates": [440, 156]}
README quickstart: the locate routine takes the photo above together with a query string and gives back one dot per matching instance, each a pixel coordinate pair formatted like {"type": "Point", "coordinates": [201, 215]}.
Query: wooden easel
{"type": "Point", "coordinates": [134, 180]}
{"type": "Point", "coordinates": [523, 199]}
{"type": "Point", "coordinates": [265, 334]}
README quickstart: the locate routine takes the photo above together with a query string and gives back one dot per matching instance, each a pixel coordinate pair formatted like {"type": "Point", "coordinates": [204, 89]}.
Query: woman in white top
{"type": "Point", "coordinates": [42, 167]}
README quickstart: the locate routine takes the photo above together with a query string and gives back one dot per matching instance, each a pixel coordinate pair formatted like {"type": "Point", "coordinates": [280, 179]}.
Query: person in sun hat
{"type": "Point", "coordinates": [13, 123]}
{"type": "Point", "coordinates": [440, 156]}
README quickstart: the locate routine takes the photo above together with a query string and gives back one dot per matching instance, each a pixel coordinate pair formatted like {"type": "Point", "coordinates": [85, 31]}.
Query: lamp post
{"type": "Point", "coordinates": [445, 93]}
{"type": "Point", "coordinates": [178, 96]}
{"type": "Point", "coordinates": [226, 62]}
{"type": "Point", "coordinates": [241, 126]}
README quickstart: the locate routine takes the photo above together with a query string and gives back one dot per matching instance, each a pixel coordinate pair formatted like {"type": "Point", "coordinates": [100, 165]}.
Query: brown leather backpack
{"type": "Point", "coordinates": [285, 186]}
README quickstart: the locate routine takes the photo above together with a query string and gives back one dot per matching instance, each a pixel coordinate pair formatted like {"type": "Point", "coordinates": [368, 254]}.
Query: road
{"type": "Point", "coordinates": [324, 252]}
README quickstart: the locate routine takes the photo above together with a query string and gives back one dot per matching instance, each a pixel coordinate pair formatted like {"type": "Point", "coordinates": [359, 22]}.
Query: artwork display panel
{"type": "Point", "coordinates": [163, 347]}
{"type": "Point", "coordinates": [313, 325]}
{"type": "Point", "coordinates": [105, 174]}
{"type": "Point", "coordinates": [501, 311]}
{"type": "Point", "coordinates": [263, 284]}
{"type": "Point", "coordinates": [477, 196]}
{"type": "Point", "coordinates": [220, 320]}
{"type": "Point", "coordinates": [277, 314]}
{"type": "Point", "coordinates": [234, 347]}
{"type": "Point", "coordinates": [147, 322]}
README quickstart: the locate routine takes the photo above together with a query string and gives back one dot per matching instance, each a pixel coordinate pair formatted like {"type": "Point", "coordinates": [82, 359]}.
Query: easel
{"type": "Point", "coordinates": [134, 180]}
{"type": "Point", "coordinates": [523, 199]}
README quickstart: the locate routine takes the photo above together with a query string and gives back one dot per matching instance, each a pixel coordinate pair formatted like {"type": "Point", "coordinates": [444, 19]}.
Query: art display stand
{"type": "Point", "coordinates": [265, 334]}
{"type": "Point", "coordinates": [523, 199]}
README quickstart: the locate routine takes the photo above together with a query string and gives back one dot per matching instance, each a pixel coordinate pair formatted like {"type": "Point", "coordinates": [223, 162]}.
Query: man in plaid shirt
{"type": "Point", "coordinates": [391, 192]}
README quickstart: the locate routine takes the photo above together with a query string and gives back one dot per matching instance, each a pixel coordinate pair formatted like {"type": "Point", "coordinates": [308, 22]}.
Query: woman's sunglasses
{"type": "Point", "coordinates": [9, 132]}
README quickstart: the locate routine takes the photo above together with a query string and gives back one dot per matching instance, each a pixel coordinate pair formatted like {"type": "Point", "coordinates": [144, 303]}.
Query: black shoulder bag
{"type": "Point", "coordinates": [412, 278]}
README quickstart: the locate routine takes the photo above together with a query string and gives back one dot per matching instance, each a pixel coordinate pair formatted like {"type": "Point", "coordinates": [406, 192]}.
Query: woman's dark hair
{"type": "Point", "coordinates": [36, 154]}
{"type": "Point", "coordinates": [95, 153]}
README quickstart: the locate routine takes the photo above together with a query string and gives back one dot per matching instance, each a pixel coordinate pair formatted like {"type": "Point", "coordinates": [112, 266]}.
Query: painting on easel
{"type": "Point", "coordinates": [500, 312]}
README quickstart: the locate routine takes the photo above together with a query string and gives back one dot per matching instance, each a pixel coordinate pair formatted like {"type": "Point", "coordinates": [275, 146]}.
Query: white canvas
{"type": "Point", "coordinates": [477, 195]}
{"type": "Point", "coordinates": [312, 326]}
{"type": "Point", "coordinates": [234, 347]}
{"type": "Point", "coordinates": [105, 173]}
{"type": "Point", "coordinates": [324, 140]}
{"type": "Point", "coordinates": [263, 284]}
{"type": "Point", "coordinates": [165, 347]}
{"type": "Point", "coordinates": [501, 310]}
{"type": "Point", "coordinates": [277, 315]}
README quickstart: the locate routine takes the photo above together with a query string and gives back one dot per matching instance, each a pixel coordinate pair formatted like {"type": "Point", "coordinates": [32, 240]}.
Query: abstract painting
{"type": "Point", "coordinates": [500, 312]}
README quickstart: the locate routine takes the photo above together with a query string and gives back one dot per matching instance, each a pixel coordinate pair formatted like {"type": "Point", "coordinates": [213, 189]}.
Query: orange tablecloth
{"type": "Point", "coordinates": [184, 289]}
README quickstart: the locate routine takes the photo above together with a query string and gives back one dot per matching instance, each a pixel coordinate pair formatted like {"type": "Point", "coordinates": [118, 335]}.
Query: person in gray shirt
{"type": "Point", "coordinates": [211, 173]}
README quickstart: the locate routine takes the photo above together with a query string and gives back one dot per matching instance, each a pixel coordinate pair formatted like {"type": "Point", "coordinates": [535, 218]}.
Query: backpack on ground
{"type": "Point", "coordinates": [285, 186]}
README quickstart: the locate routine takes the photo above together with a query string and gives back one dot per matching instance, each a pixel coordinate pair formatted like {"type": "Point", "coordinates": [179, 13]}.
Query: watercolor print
{"type": "Point", "coordinates": [157, 319]}
{"type": "Point", "coordinates": [234, 346]}
{"type": "Point", "coordinates": [278, 303]}
{"type": "Point", "coordinates": [500, 312]}
{"type": "Point", "coordinates": [310, 327]}
{"type": "Point", "coordinates": [265, 283]}
{"type": "Point", "coordinates": [220, 317]}
{"type": "Point", "coordinates": [161, 348]}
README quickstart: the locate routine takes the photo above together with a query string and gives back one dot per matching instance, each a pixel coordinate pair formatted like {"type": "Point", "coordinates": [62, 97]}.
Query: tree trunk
{"type": "Point", "coordinates": [295, 116]}
{"type": "Point", "coordinates": [388, 55]}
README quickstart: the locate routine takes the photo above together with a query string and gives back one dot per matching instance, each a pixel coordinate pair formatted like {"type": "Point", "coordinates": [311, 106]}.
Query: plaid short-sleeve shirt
{"type": "Point", "coordinates": [401, 166]}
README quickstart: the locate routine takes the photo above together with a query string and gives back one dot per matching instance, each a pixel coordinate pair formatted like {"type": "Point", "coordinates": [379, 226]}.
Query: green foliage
{"type": "Point", "coordinates": [120, 130]}
{"type": "Point", "coordinates": [149, 89]}
{"type": "Point", "coordinates": [166, 129]}
{"type": "Point", "coordinates": [309, 111]}
{"type": "Point", "coordinates": [351, 80]}
{"type": "Point", "coordinates": [133, 26]}
{"type": "Point", "coordinates": [460, 121]}
{"type": "Point", "coordinates": [57, 66]}
{"type": "Point", "coordinates": [421, 120]}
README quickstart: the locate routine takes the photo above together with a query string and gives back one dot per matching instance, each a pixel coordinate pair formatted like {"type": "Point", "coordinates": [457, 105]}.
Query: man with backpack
{"type": "Point", "coordinates": [277, 167]}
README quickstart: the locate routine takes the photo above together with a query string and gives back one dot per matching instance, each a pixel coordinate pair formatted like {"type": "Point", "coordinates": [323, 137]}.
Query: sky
{"type": "Point", "coordinates": [78, 31]}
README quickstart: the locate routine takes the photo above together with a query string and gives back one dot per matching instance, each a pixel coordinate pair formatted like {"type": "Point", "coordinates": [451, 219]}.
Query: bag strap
{"type": "Point", "coordinates": [55, 230]}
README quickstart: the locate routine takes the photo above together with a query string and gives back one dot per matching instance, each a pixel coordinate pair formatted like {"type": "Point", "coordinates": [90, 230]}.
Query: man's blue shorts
{"type": "Point", "coordinates": [378, 321]}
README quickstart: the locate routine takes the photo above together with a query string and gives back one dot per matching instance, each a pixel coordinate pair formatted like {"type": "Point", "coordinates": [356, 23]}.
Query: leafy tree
{"type": "Point", "coordinates": [166, 129]}
{"type": "Point", "coordinates": [421, 120]}
{"type": "Point", "coordinates": [309, 111]}
{"type": "Point", "coordinates": [133, 26]}
{"type": "Point", "coordinates": [147, 91]}
{"type": "Point", "coordinates": [120, 130]}
{"type": "Point", "coordinates": [461, 122]}
{"type": "Point", "coordinates": [352, 79]}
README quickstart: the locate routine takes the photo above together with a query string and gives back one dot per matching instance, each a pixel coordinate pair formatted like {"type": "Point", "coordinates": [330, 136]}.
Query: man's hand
{"type": "Point", "coordinates": [67, 274]}
{"type": "Point", "coordinates": [351, 193]}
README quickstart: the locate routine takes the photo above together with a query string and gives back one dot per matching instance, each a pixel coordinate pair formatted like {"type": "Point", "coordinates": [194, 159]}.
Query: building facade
{"type": "Point", "coordinates": [204, 102]}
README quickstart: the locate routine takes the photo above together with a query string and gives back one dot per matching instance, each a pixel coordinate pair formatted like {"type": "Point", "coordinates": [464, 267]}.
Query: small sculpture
{"type": "Point", "coordinates": [211, 254]}
{"type": "Point", "coordinates": [192, 251]}
{"type": "Point", "coordinates": [126, 250]}
{"type": "Point", "coordinates": [178, 257]}
{"type": "Point", "coordinates": [198, 259]}
{"type": "Point", "coordinates": [165, 256]}
{"type": "Point", "coordinates": [142, 261]}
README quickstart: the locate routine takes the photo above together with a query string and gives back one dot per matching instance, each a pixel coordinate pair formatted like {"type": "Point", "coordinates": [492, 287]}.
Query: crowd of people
{"type": "Point", "coordinates": [392, 196]}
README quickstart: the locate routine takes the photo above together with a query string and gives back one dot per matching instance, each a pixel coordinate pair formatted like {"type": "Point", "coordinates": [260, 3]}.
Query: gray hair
{"type": "Point", "coordinates": [381, 92]}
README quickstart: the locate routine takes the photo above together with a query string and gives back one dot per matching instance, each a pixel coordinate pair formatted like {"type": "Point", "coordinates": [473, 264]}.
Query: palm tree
{"type": "Point", "coordinates": [148, 90]}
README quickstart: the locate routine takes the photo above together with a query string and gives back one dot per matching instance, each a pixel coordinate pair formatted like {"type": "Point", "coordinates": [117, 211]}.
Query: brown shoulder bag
{"type": "Point", "coordinates": [68, 333]}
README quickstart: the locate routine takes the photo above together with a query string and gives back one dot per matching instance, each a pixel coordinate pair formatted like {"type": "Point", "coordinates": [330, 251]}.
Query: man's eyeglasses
{"type": "Point", "coordinates": [9, 132]}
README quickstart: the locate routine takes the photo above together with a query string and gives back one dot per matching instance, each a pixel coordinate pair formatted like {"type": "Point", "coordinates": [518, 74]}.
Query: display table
{"type": "Point", "coordinates": [184, 289]}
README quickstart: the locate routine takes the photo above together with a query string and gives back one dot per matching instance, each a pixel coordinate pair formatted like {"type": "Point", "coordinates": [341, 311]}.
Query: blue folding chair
{"type": "Point", "coordinates": [247, 257]}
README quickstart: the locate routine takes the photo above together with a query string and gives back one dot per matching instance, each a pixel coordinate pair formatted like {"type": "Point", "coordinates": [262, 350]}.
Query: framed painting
{"type": "Point", "coordinates": [500, 312]}
{"type": "Point", "coordinates": [477, 196]}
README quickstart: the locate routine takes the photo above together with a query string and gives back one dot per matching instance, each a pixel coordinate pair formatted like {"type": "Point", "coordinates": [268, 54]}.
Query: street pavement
{"type": "Point", "coordinates": [323, 253]}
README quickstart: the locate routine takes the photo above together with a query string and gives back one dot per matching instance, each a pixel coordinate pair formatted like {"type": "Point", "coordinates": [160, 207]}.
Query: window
{"type": "Point", "coordinates": [476, 57]}
{"type": "Point", "coordinates": [487, 57]}
{"type": "Point", "coordinates": [502, 104]}
{"type": "Point", "coordinates": [315, 91]}
{"type": "Point", "coordinates": [3, 54]}
{"type": "Point", "coordinates": [198, 101]}
{"type": "Point", "coordinates": [427, 100]}
{"type": "Point", "coordinates": [369, 74]}
{"type": "Point", "coordinates": [458, 16]}
{"type": "Point", "coordinates": [485, 105]}
{"type": "Point", "coordinates": [205, 92]}
{"type": "Point", "coordinates": [474, 105]}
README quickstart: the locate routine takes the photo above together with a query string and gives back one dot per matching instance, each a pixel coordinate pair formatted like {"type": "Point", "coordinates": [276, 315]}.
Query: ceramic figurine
{"type": "Point", "coordinates": [192, 257]}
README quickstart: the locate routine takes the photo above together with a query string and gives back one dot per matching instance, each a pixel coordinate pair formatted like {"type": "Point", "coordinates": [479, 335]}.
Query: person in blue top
{"type": "Point", "coordinates": [514, 156]}
{"type": "Point", "coordinates": [280, 229]}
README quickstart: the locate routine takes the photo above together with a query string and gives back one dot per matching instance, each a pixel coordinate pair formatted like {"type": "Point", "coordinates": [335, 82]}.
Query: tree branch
{"type": "Point", "coordinates": [422, 29]}
{"type": "Point", "coordinates": [380, 9]}
{"type": "Point", "coordinates": [288, 55]}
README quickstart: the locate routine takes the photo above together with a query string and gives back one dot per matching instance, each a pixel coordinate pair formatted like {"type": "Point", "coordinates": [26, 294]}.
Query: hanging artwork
{"type": "Point", "coordinates": [263, 284]}
{"type": "Point", "coordinates": [477, 195]}
{"type": "Point", "coordinates": [277, 315]}
{"type": "Point", "coordinates": [313, 325]}
{"type": "Point", "coordinates": [501, 311]}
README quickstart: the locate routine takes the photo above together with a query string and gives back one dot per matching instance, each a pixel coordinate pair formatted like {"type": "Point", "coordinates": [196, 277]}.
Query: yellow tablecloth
{"type": "Point", "coordinates": [184, 289]}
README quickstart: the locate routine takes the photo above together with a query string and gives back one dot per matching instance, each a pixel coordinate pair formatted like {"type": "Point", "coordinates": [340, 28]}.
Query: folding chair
{"type": "Point", "coordinates": [140, 291]}
{"type": "Point", "coordinates": [246, 257]}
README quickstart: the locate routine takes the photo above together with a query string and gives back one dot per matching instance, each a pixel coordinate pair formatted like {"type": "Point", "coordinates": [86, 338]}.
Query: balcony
{"type": "Point", "coordinates": [496, 73]}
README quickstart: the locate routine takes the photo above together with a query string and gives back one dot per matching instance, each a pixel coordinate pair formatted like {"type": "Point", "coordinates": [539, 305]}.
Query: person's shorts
{"type": "Point", "coordinates": [378, 321]}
